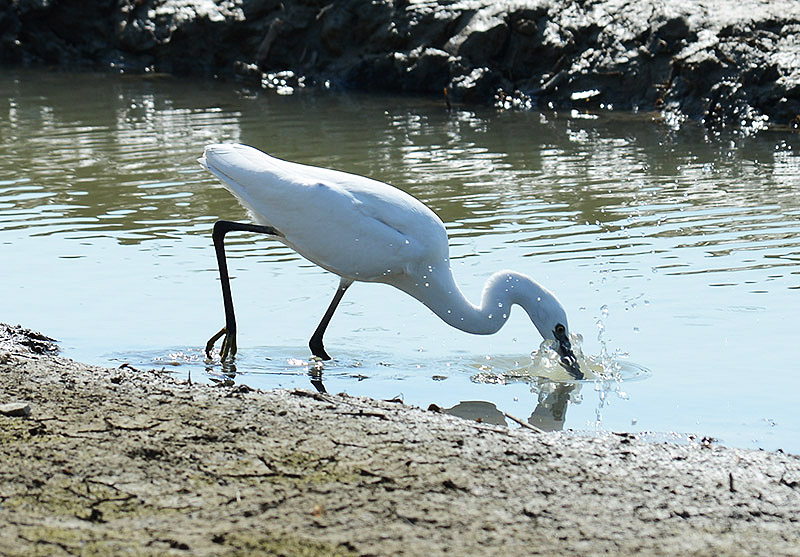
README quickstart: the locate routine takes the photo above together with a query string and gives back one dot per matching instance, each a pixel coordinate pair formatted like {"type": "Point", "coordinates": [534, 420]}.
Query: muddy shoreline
{"type": "Point", "coordinates": [729, 63]}
{"type": "Point", "coordinates": [122, 460]}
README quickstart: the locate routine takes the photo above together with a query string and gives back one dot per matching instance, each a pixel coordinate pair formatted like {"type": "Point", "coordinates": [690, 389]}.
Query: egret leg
{"type": "Point", "coordinates": [222, 227]}
{"type": "Point", "coordinates": [316, 339]}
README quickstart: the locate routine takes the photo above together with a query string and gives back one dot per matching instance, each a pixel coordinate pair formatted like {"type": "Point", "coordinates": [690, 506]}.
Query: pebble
{"type": "Point", "coordinates": [21, 409]}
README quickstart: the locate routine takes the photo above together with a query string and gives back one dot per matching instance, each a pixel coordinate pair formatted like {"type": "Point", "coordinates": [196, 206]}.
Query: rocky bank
{"type": "Point", "coordinates": [726, 62]}
{"type": "Point", "coordinates": [123, 461]}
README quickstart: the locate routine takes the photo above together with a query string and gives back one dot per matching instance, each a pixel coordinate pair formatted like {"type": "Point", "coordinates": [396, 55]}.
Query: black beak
{"type": "Point", "coordinates": [568, 359]}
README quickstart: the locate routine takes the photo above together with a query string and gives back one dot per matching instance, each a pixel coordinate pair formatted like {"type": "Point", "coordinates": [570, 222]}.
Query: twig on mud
{"type": "Point", "coordinates": [523, 424]}
{"type": "Point", "coordinates": [381, 478]}
{"type": "Point", "coordinates": [109, 485]}
{"type": "Point", "coordinates": [367, 414]}
{"type": "Point", "coordinates": [364, 410]}
{"type": "Point", "coordinates": [151, 425]}
{"type": "Point", "coordinates": [310, 394]}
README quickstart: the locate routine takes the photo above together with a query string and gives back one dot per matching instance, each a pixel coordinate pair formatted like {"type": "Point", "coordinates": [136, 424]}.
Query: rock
{"type": "Point", "coordinates": [429, 67]}
{"type": "Point", "coordinates": [15, 409]}
{"type": "Point", "coordinates": [728, 63]}
{"type": "Point", "coordinates": [26, 339]}
{"type": "Point", "coordinates": [671, 32]}
{"type": "Point", "coordinates": [476, 86]}
{"type": "Point", "coordinates": [482, 40]}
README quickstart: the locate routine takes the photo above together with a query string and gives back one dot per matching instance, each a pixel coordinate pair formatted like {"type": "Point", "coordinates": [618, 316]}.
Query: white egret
{"type": "Point", "coordinates": [365, 230]}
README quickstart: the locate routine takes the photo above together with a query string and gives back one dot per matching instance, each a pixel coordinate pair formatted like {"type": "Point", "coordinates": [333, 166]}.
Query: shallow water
{"type": "Point", "coordinates": [671, 250]}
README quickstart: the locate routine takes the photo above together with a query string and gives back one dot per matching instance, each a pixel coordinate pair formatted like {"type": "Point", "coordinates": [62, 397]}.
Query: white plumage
{"type": "Point", "coordinates": [365, 230]}
{"type": "Point", "coordinates": [353, 226]}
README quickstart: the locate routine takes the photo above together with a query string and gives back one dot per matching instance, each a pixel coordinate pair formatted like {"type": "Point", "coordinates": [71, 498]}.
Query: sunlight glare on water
{"type": "Point", "coordinates": [675, 253]}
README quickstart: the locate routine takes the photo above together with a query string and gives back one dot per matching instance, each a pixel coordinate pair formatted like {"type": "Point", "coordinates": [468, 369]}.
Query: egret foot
{"type": "Point", "coordinates": [315, 344]}
{"type": "Point", "coordinates": [228, 347]}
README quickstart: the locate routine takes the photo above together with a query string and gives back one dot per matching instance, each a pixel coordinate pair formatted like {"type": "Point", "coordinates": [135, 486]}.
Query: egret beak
{"type": "Point", "coordinates": [568, 359]}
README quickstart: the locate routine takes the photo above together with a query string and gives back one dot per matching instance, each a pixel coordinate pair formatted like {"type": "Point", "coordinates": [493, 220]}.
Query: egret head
{"type": "Point", "coordinates": [564, 347]}
{"type": "Point", "coordinates": [551, 321]}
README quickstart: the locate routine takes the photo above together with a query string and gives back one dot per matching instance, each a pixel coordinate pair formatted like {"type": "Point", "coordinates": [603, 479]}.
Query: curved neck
{"type": "Point", "coordinates": [503, 289]}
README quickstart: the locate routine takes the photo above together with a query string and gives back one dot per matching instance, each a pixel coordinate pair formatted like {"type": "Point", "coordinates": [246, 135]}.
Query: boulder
{"type": "Point", "coordinates": [728, 63]}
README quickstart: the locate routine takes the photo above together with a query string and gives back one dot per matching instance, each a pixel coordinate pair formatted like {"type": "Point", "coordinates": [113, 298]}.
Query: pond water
{"type": "Point", "coordinates": [672, 251]}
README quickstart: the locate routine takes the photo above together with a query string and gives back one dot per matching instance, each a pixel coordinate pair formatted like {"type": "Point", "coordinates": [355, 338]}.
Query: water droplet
{"type": "Point", "coordinates": [499, 304]}
{"type": "Point", "coordinates": [407, 242]}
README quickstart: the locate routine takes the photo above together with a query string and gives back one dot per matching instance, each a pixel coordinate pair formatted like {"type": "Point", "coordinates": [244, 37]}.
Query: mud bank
{"type": "Point", "coordinates": [107, 461]}
{"type": "Point", "coordinates": [729, 62]}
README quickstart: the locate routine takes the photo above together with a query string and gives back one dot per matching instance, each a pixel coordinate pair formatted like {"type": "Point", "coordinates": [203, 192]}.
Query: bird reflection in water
{"type": "Point", "coordinates": [551, 412]}
{"type": "Point", "coordinates": [549, 415]}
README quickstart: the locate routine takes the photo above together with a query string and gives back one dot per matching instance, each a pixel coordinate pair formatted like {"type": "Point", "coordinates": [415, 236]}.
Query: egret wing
{"type": "Point", "coordinates": [351, 225]}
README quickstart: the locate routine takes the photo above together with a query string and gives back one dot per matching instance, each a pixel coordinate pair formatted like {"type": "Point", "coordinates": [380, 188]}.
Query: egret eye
{"type": "Point", "coordinates": [560, 329]}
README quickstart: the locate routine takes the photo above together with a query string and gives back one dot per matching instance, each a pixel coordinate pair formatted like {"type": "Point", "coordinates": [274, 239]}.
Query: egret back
{"type": "Point", "coordinates": [354, 226]}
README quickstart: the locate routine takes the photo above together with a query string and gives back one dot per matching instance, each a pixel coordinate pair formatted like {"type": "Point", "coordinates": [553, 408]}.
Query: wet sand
{"type": "Point", "coordinates": [112, 461]}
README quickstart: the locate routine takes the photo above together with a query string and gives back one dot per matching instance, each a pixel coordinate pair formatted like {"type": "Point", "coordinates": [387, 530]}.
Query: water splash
{"type": "Point", "coordinates": [544, 365]}
{"type": "Point", "coordinates": [611, 382]}
{"type": "Point", "coordinates": [606, 366]}
{"type": "Point", "coordinates": [555, 388]}
{"type": "Point", "coordinates": [610, 365]}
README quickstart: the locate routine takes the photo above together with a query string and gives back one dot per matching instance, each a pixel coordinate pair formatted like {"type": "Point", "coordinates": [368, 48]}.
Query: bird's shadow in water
{"type": "Point", "coordinates": [550, 413]}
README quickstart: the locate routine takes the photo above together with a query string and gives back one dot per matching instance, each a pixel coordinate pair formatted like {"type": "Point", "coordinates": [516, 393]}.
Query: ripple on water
{"type": "Point", "coordinates": [611, 209]}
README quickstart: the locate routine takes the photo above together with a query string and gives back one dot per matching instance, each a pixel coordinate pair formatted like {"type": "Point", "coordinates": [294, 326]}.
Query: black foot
{"type": "Point", "coordinates": [317, 349]}
{"type": "Point", "coordinates": [228, 348]}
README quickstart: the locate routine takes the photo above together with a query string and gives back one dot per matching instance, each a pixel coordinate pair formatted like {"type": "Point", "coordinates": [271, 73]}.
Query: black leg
{"type": "Point", "coordinates": [316, 339]}
{"type": "Point", "coordinates": [222, 227]}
